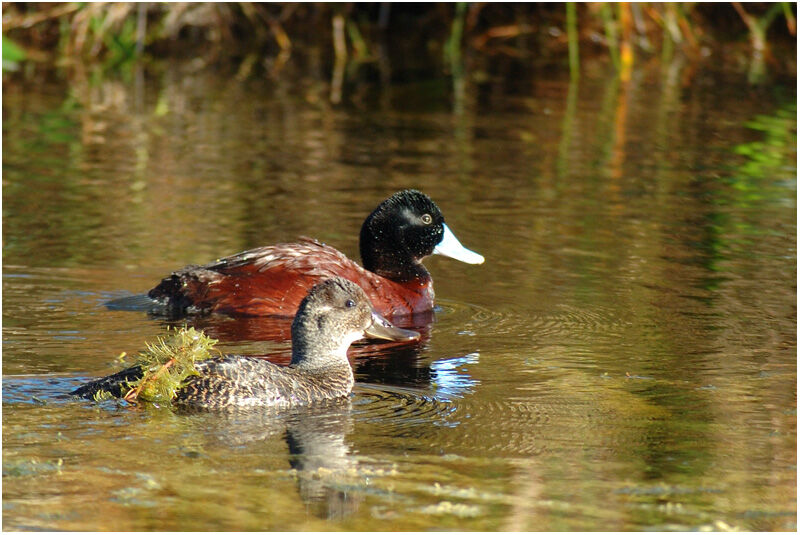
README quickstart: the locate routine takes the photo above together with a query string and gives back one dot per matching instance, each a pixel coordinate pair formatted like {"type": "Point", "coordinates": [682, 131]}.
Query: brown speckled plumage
{"type": "Point", "coordinates": [234, 381]}
{"type": "Point", "coordinates": [335, 313]}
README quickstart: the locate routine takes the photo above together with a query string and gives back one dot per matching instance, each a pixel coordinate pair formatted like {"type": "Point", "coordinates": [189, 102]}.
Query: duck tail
{"type": "Point", "coordinates": [139, 302]}
{"type": "Point", "coordinates": [116, 384]}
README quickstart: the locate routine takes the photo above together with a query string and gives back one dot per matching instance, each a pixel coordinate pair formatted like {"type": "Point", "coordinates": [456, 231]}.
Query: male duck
{"type": "Point", "coordinates": [271, 280]}
{"type": "Point", "coordinates": [333, 315]}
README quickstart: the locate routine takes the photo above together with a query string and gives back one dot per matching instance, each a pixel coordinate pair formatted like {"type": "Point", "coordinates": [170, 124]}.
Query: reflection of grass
{"type": "Point", "coordinates": [760, 180]}
{"type": "Point", "coordinates": [55, 127]}
{"type": "Point", "coordinates": [768, 160]}
{"type": "Point", "coordinates": [771, 156]}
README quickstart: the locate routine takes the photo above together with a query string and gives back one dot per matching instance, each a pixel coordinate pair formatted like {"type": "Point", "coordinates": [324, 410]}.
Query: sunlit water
{"type": "Point", "coordinates": [625, 358]}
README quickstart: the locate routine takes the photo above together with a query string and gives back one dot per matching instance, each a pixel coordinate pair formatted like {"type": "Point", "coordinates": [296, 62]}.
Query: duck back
{"type": "Point", "coordinates": [273, 280]}
{"type": "Point", "coordinates": [236, 382]}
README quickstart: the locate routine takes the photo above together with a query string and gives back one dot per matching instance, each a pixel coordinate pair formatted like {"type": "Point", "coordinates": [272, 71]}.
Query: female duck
{"type": "Point", "coordinates": [271, 281]}
{"type": "Point", "coordinates": [333, 315]}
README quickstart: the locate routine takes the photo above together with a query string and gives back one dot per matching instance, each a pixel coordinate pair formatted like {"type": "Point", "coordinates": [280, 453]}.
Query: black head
{"type": "Point", "coordinates": [401, 231]}
{"type": "Point", "coordinates": [334, 314]}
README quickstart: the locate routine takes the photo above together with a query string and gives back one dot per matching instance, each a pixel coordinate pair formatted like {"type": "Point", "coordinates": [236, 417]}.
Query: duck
{"type": "Point", "coordinates": [272, 280]}
{"type": "Point", "coordinates": [335, 313]}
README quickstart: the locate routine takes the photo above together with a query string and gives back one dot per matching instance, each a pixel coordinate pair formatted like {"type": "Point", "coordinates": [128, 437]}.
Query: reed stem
{"type": "Point", "coordinates": [572, 40]}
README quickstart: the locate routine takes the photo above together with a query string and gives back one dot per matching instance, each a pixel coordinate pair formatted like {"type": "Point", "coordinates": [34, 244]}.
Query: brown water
{"type": "Point", "coordinates": [624, 360]}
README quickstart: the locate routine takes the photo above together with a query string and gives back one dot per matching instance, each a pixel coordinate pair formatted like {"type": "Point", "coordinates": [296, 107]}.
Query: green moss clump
{"type": "Point", "coordinates": [167, 363]}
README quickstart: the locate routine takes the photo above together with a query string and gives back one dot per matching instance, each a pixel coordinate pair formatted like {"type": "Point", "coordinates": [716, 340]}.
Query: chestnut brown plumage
{"type": "Point", "coordinates": [272, 280]}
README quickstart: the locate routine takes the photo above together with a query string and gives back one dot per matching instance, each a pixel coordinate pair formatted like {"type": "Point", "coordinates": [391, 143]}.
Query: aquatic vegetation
{"type": "Point", "coordinates": [757, 26]}
{"type": "Point", "coordinates": [13, 54]}
{"type": "Point", "coordinates": [252, 34]}
{"type": "Point", "coordinates": [102, 395]}
{"type": "Point", "coordinates": [166, 364]}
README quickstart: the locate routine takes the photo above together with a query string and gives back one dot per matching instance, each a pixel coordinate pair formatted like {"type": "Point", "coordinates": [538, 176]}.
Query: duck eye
{"type": "Point", "coordinates": [427, 219]}
{"type": "Point", "coordinates": [349, 303]}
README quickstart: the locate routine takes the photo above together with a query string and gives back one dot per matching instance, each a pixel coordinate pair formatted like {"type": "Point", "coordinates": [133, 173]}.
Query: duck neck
{"type": "Point", "coordinates": [311, 351]}
{"type": "Point", "coordinates": [328, 379]}
{"type": "Point", "coordinates": [397, 270]}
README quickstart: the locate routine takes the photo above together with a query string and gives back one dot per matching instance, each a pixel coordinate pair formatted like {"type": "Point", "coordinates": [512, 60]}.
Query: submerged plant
{"type": "Point", "coordinates": [102, 395]}
{"type": "Point", "coordinates": [165, 365]}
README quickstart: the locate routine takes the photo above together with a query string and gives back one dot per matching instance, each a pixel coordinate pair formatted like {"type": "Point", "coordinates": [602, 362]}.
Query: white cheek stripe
{"type": "Point", "coordinates": [450, 246]}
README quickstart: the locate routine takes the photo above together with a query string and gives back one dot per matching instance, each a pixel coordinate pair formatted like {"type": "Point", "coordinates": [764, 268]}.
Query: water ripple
{"type": "Point", "coordinates": [402, 408]}
{"type": "Point", "coordinates": [38, 389]}
{"type": "Point", "coordinates": [564, 321]}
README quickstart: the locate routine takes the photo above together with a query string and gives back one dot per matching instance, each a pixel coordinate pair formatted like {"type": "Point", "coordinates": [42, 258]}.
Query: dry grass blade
{"type": "Point", "coordinates": [13, 21]}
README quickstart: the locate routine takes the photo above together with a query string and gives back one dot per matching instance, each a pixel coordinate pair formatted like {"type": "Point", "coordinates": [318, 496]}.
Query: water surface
{"type": "Point", "coordinates": [624, 360]}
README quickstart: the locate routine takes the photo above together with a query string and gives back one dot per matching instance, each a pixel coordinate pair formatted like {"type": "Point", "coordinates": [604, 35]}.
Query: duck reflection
{"type": "Point", "coordinates": [330, 479]}
{"type": "Point", "coordinates": [328, 476]}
